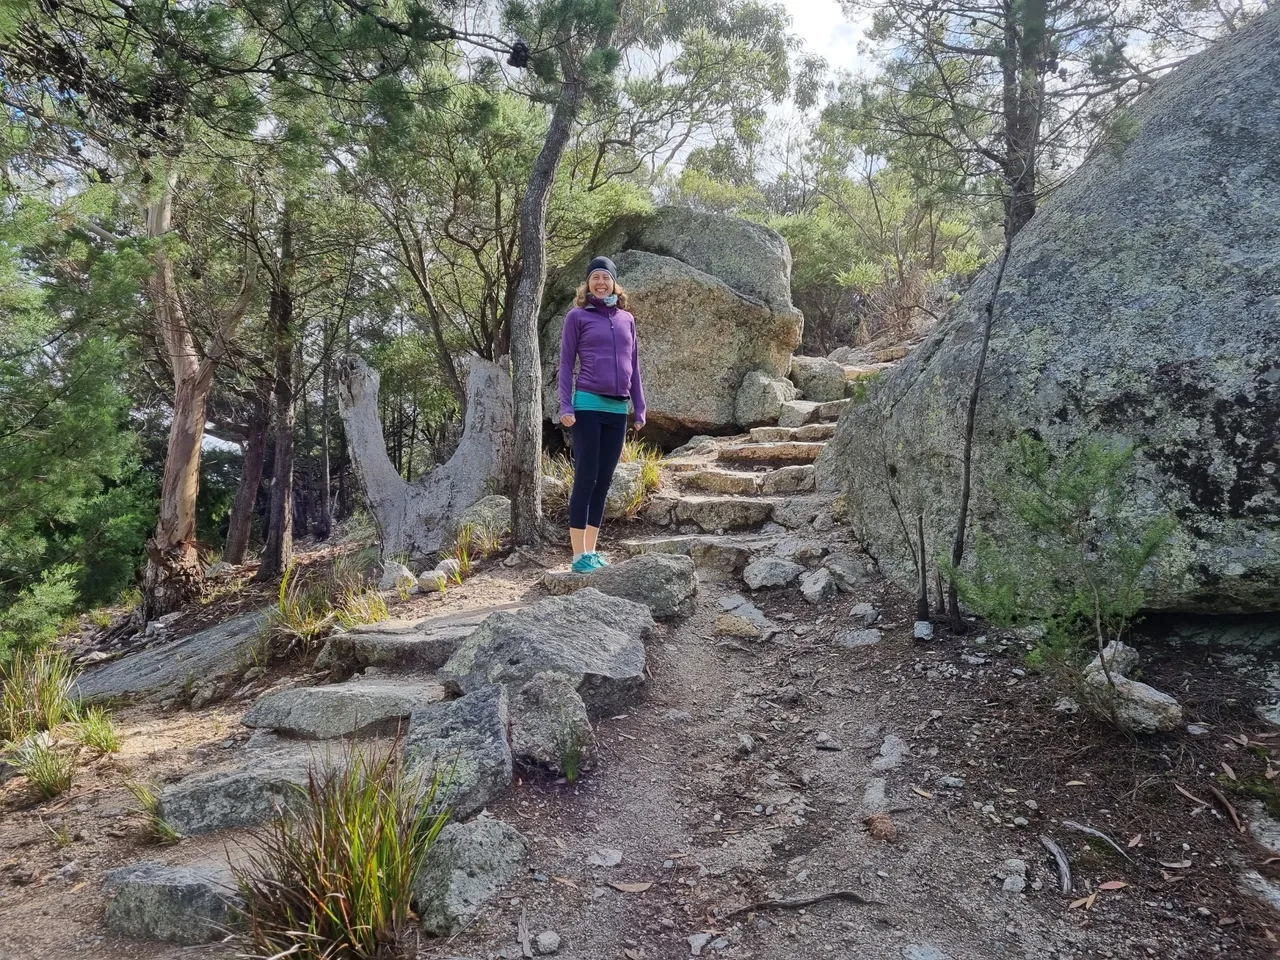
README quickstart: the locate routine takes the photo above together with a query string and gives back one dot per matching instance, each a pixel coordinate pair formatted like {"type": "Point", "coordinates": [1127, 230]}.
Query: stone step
{"type": "Point", "coordinates": [789, 452]}
{"type": "Point", "coordinates": [727, 553]}
{"type": "Point", "coordinates": [798, 413]}
{"type": "Point", "coordinates": [810, 433]}
{"type": "Point", "coordinates": [733, 482]}
{"type": "Point", "coordinates": [713, 514]}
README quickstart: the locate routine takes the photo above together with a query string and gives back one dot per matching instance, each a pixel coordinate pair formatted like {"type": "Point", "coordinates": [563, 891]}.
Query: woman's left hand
{"type": "Point", "coordinates": [638, 426]}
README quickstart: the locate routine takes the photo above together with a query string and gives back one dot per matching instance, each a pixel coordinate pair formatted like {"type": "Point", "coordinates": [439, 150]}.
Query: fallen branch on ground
{"type": "Point", "coordinates": [803, 902]}
{"type": "Point", "coordinates": [1064, 865]}
{"type": "Point", "coordinates": [1072, 825]}
{"type": "Point", "coordinates": [1226, 804]}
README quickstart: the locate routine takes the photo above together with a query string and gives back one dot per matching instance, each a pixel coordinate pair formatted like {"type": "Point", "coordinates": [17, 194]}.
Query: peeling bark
{"type": "Point", "coordinates": [414, 519]}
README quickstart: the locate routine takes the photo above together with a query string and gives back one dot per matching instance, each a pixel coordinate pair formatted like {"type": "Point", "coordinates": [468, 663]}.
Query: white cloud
{"type": "Point", "coordinates": [822, 25]}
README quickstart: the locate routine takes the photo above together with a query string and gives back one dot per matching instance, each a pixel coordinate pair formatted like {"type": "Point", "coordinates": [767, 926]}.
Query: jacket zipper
{"type": "Point", "coordinates": [617, 375]}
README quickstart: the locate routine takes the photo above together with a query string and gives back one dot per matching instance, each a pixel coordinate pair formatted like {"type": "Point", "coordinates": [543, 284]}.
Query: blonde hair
{"type": "Point", "coordinates": [580, 299]}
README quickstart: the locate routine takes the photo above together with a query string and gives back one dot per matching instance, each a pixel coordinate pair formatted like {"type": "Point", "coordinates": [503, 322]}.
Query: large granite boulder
{"type": "Point", "coordinates": [595, 639]}
{"type": "Point", "coordinates": [357, 706]}
{"type": "Point", "coordinates": [1141, 305]}
{"type": "Point", "coordinates": [464, 743]}
{"type": "Point", "coordinates": [466, 866]}
{"type": "Point", "coordinates": [696, 280]}
{"type": "Point", "coordinates": [151, 901]}
{"type": "Point", "coordinates": [666, 584]}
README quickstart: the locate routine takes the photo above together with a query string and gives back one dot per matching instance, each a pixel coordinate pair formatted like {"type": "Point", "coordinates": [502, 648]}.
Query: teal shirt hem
{"type": "Point", "coordinates": [586, 400]}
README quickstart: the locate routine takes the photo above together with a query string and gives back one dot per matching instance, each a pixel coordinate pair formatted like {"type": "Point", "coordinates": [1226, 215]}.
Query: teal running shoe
{"type": "Point", "coordinates": [584, 564]}
{"type": "Point", "coordinates": [599, 560]}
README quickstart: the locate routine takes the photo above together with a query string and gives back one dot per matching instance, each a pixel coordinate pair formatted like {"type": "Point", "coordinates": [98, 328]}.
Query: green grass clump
{"type": "Point", "coordinates": [95, 729]}
{"type": "Point", "coordinates": [304, 612]}
{"type": "Point", "coordinates": [361, 605]}
{"type": "Point", "coordinates": [35, 692]}
{"type": "Point", "coordinates": [48, 770]}
{"type": "Point", "coordinates": [158, 829]}
{"type": "Point", "coordinates": [335, 879]}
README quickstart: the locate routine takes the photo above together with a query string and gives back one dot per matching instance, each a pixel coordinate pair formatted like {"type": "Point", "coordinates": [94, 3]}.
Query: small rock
{"type": "Point", "coordinates": [1020, 821]}
{"type": "Point", "coordinates": [605, 857]}
{"type": "Point", "coordinates": [698, 942]}
{"type": "Point", "coordinates": [951, 783]}
{"type": "Point", "coordinates": [770, 572]}
{"type": "Point", "coordinates": [69, 871]}
{"type": "Point", "coordinates": [546, 943]}
{"type": "Point", "coordinates": [1197, 729]}
{"type": "Point", "coordinates": [923, 951]}
{"type": "Point", "coordinates": [450, 567]}
{"type": "Point", "coordinates": [1066, 705]}
{"type": "Point", "coordinates": [825, 742]}
{"type": "Point", "coordinates": [818, 586]}
{"type": "Point", "coordinates": [858, 638]}
{"type": "Point", "coordinates": [396, 576]}
{"type": "Point", "coordinates": [892, 752]}
{"type": "Point", "coordinates": [746, 744]}
{"type": "Point", "coordinates": [923, 630]}
{"type": "Point", "coordinates": [1014, 875]}
{"type": "Point", "coordinates": [432, 581]}
{"type": "Point", "coordinates": [864, 614]}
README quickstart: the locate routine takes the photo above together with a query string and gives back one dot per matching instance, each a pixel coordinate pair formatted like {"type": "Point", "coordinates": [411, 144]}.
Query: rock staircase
{"type": "Point", "coordinates": [730, 499]}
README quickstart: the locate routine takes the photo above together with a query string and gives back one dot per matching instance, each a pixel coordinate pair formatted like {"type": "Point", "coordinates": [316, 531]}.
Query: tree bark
{"type": "Point", "coordinates": [174, 574]}
{"type": "Point", "coordinates": [1022, 70]}
{"type": "Point", "coordinates": [277, 554]}
{"type": "Point", "coordinates": [241, 524]}
{"type": "Point", "coordinates": [526, 358]}
{"type": "Point", "coordinates": [324, 507]}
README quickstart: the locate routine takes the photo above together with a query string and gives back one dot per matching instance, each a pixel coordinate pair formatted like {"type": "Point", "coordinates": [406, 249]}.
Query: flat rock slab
{"type": "Point", "coordinates": [728, 554]}
{"type": "Point", "coordinates": [222, 800]}
{"type": "Point", "coordinates": [465, 744]}
{"type": "Point", "coordinates": [596, 639]}
{"type": "Point", "coordinates": [176, 904]}
{"type": "Point", "coordinates": [466, 866]}
{"type": "Point", "coordinates": [322, 713]}
{"type": "Point", "coordinates": [858, 638]}
{"type": "Point", "coordinates": [419, 645]}
{"type": "Point", "coordinates": [797, 479]}
{"type": "Point", "coordinates": [665, 583]}
{"type": "Point", "coordinates": [732, 482]}
{"type": "Point", "coordinates": [164, 670]}
{"type": "Point", "coordinates": [770, 572]}
{"type": "Point", "coordinates": [772, 452]}
{"type": "Point", "coordinates": [723, 513]}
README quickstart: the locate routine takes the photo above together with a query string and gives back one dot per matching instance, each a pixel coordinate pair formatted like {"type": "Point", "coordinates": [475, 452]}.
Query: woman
{"type": "Point", "coordinates": [600, 336]}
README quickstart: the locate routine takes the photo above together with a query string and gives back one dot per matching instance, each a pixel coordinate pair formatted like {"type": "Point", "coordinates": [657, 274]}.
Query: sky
{"type": "Point", "coordinates": [826, 32]}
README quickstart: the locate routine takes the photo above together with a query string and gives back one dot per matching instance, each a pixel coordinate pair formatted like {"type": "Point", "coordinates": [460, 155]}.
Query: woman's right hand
{"type": "Point", "coordinates": [568, 420]}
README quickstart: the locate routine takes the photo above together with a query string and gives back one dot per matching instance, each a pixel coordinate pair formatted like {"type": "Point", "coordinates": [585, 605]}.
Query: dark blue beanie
{"type": "Point", "coordinates": [602, 263]}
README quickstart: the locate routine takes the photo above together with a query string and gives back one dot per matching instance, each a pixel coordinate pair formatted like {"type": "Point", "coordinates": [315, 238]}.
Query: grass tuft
{"type": "Point", "coordinates": [336, 879]}
{"type": "Point", "coordinates": [95, 729]}
{"type": "Point", "coordinates": [35, 693]}
{"type": "Point", "coordinates": [158, 829]}
{"type": "Point", "coordinates": [49, 771]}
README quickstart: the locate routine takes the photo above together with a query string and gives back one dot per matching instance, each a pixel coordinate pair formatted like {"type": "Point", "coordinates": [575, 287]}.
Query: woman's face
{"type": "Point", "coordinates": [600, 283]}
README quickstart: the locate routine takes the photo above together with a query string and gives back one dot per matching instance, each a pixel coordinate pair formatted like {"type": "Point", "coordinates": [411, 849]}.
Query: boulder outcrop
{"type": "Point", "coordinates": [1141, 305]}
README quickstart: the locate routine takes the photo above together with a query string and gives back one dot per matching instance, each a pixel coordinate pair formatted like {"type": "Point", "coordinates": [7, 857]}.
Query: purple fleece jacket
{"type": "Point", "coordinates": [603, 341]}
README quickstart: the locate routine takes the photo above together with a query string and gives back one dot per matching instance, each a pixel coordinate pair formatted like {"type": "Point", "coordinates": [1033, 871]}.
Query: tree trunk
{"type": "Point", "coordinates": [1025, 29]}
{"type": "Point", "coordinates": [241, 523]}
{"type": "Point", "coordinates": [277, 554]}
{"type": "Point", "coordinates": [174, 574]}
{"type": "Point", "coordinates": [526, 359]}
{"type": "Point", "coordinates": [415, 519]}
{"type": "Point", "coordinates": [324, 506]}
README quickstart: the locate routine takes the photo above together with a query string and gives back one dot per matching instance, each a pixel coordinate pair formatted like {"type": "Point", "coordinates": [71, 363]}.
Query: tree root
{"type": "Point", "coordinates": [1072, 825]}
{"type": "Point", "coordinates": [1064, 865]}
{"type": "Point", "coordinates": [800, 904]}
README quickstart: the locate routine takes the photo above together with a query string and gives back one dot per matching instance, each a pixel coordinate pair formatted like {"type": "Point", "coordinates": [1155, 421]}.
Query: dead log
{"type": "Point", "coordinates": [416, 519]}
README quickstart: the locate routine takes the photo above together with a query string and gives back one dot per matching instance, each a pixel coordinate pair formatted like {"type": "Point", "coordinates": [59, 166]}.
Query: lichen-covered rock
{"type": "Point", "coordinates": [222, 800]}
{"type": "Point", "coordinates": [464, 743]}
{"type": "Point", "coordinates": [820, 380]}
{"type": "Point", "coordinates": [760, 398]}
{"type": "Point", "coordinates": [465, 867]}
{"type": "Point", "coordinates": [667, 584]}
{"type": "Point", "coordinates": [1134, 707]}
{"type": "Point", "coordinates": [396, 576]}
{"type": "Point", "coordinates": [625, 491]}
{"type": "Point", "coordinates": [694, 279]}
{"type": "Point", "coordinates": [490, 516]}
{"type": "Point", "coordinates": [596, 639]}
{"type": "Point", "coordinates": [321, 713]}
{"type": "Point", "coordinates": [150, 901]}
{"type": "Point", "coordinates": [550, 727]}
{"type": "Point", "coordinates": [1141, 304]}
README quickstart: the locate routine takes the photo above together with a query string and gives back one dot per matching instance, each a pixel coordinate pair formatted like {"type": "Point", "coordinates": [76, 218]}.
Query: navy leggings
{"type": "Point", "coordinates": [597, 445]}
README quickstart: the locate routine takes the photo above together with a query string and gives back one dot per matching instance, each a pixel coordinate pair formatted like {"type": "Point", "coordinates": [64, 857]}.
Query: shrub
{"type": "Point", "coordinates": [1078, 561]}
{"type": "Point", "coordinates": [34, 616]}
{"type": "Point", "coordinates": [34, 693]}
{"type": "Point", "coordinates": [336, 879]}
{"type": "Point", "coordinates": [49, 771]}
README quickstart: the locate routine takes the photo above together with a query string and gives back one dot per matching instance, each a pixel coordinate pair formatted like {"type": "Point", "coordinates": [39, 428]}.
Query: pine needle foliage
{"type": "Point", "coordinates": [334, 880]}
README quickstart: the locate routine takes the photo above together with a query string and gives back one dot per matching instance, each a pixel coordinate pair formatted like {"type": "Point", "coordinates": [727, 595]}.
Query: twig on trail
{"type": "Point", "coordinates": [1072, 825]}
{"type": "Point", "coordinates": [1189, 795]}
{"type": "Point", "coordinates": [1217, 795]}
{"type": "Point", "coordinates": [1064, 865]}
{"type": "Point", "coordinates": [803, 902]}
{"type": "Point", "coordinates": [522, 932]}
